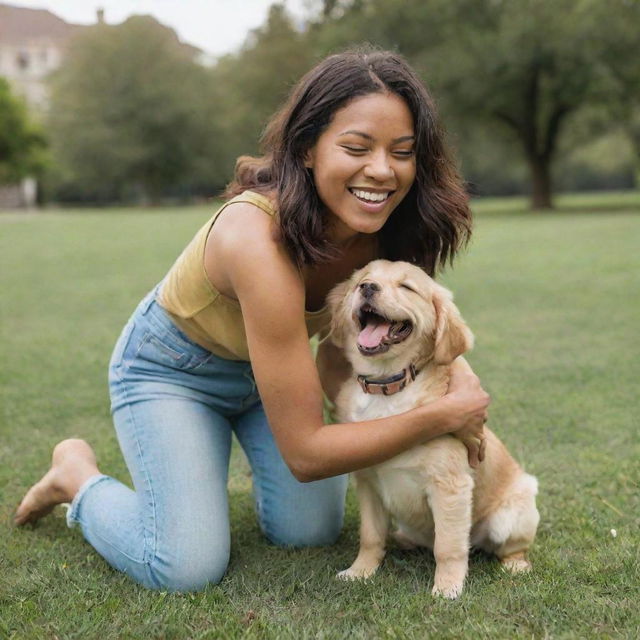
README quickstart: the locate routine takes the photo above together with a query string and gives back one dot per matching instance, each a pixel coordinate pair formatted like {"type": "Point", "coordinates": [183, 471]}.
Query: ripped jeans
{"type": "Point", "coordinates": [175, 406]}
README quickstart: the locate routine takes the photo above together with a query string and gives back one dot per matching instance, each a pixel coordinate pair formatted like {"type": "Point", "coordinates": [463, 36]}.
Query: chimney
{"type": "Point", "coordinates": [100, 15]}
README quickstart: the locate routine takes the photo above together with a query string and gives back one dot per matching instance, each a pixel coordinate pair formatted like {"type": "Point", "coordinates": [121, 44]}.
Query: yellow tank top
{"type": "Point", "coordinates": [208, 317]}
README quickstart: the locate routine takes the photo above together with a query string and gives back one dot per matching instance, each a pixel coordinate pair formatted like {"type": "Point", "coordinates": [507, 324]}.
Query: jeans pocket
{"type": "Point", "coordinates": [168, 350]}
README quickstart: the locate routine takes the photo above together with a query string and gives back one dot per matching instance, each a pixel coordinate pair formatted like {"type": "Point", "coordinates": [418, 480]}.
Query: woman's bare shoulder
{"type": "Point", "coordinates": [243, 243]}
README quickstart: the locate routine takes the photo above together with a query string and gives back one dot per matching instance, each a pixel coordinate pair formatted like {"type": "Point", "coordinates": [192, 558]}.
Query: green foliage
{"type": "Point", "coordinates": [22, 143]}
{"type": "Point", "coordinates": [521, 84]}
{"type": "Point", "coordinates": [550, 300]}
{"type": "Point", "coordinates": [524, 65]}
{"type": "Point", "coordinates": [130, 111]}
{"type": "Point", "coordinates": [253, 83]}
{"type": "Point", "coordinates": [517, 69]}
{"type": "Point", "coordinates": [615, 27]}
{"type": "Point", "coordinates": [133, 115]}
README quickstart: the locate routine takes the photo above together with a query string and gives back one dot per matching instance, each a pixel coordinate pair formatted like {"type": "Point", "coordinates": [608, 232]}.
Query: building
{"type": "Point", "coordinates": [32, 45]}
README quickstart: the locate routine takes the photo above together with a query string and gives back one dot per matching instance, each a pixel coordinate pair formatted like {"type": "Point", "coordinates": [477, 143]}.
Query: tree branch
{"type": "Point", "coordinates": [507, 119]}
{"type": "Point", "coordinates": [553, 129]}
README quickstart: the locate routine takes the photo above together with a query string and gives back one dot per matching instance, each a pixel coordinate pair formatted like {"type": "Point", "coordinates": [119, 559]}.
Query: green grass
{"type": "Point", "coordinates": [554, 302]}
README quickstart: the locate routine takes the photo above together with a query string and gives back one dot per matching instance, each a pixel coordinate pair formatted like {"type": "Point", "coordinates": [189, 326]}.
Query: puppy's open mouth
{"type": "Point", "coordinates": [378, 333]}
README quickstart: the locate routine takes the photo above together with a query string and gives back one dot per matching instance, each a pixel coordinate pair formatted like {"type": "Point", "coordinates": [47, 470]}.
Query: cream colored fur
{"type": "Point", "coordinates": [429, 492]}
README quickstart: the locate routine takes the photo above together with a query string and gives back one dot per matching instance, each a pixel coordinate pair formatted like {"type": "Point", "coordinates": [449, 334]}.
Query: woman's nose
{"type": "Point", "coordinates": [378, 167]}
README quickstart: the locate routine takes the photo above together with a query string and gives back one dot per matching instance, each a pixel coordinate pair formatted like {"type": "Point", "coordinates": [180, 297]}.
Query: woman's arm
{"type": "Point", "coordinates": [259, 273]}
{"type": "Point", "coordinates": [333, 368]}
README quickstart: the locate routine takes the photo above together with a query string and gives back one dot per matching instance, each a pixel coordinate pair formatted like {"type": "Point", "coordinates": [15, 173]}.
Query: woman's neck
{"type": "Point", "coordinates": [320, 279]}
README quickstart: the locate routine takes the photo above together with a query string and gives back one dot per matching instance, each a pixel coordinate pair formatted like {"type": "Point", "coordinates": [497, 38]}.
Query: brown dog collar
{"type": "Point", "coordinates": [388, 386]}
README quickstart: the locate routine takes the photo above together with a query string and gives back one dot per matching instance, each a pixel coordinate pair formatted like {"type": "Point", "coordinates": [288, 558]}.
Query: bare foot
{"type": "Point", "coordinates": [72, 463]}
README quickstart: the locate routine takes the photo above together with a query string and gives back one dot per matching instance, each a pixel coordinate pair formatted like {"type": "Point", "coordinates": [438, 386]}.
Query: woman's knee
{"type": "Point", "coordinates": [310, 516]}
{"type": "Point", "coordinates": [192, 572]}
{"type": "Point", "coordinates": [310, 534]}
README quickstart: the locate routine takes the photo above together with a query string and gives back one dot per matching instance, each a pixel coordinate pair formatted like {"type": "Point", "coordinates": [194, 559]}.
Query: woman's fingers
{"type": "Point", "coordinates": [483, 448]}
{"type": "Point", "coordinates": [473, 453]}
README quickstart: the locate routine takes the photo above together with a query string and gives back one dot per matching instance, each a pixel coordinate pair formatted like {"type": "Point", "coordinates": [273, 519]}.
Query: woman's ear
{"type": "Point", "coordinates": [452, 336]}
{"type": "Point", "coordinates": [309, 158]}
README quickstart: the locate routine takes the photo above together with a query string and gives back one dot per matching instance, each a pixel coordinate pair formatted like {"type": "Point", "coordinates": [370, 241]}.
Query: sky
{"type": "Point", "coordinates": [215, 26]}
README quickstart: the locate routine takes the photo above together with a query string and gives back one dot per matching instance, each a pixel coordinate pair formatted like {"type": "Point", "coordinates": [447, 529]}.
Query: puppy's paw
{"type": "Point", "coordinates": [356, 573]}
{"type": "Point", "coordinates": [450, 591]}
{"type": "Point", "coordinates": [449, 578]}
{"type": "Point", "coordinates": [516, 563]}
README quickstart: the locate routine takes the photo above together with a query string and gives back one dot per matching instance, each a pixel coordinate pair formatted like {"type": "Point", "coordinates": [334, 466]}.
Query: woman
{"type": "Point", "coordinates": [354, 169]}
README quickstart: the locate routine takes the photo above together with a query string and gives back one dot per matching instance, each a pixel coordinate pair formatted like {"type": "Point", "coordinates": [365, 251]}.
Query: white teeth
{"type": "Point", "coordinates": [370, 195]}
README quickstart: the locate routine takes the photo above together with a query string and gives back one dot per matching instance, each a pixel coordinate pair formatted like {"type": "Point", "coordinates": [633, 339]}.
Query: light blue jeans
{"type": "Point", "coordinates": [175, 406]}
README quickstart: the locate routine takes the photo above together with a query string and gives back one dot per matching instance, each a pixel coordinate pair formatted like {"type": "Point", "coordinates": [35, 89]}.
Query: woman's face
{"type": "Point", "coordinates": [364, 163]}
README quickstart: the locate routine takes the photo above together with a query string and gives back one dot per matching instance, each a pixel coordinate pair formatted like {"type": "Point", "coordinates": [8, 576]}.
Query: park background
{"type": "Point", "coordinates": [136, 135]}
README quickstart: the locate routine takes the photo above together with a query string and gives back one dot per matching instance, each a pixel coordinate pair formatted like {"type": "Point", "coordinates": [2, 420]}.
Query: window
{"type": "Point", "coordinates": [22, 60]}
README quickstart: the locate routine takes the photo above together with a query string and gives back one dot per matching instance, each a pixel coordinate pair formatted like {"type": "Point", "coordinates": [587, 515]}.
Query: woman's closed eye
{"type": "Point", "coordinates": [403, 153]}
{"type": "Point", "coordinates": [354, 149]}
{"type": "Point", "coordinates": [398, 153]}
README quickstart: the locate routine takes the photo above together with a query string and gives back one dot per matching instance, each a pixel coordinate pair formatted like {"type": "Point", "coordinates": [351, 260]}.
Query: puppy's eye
{"type": "Point", "coordinates": [404, 285]}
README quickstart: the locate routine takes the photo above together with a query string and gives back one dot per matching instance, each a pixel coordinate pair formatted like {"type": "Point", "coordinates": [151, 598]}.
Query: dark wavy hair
{"type": "Point", "coordinates": [431, 223]}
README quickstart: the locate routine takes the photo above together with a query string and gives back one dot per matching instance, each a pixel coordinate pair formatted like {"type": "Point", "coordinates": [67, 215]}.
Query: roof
{"type": "Point", "coordinates": [19, 24]}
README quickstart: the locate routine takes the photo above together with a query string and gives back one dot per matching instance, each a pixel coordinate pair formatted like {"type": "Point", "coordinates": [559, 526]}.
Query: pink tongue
{"type": "Point", "coordinates": [371, 336]}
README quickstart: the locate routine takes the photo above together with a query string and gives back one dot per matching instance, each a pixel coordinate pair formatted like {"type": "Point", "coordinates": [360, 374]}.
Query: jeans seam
{"type": "Point", "coordinates": [74, 516]}
{"type": "Point", "coordinates": [148, 481]}
{"type": "Point", "coordinates": [140, 561]}
{"type": "Point", "coordinates": [118, 366]}
{"type": "Point", "coordinates": [258, 490]}
{"type": "Point", "coordinates": [143, 341]}
{"type": "Point", "coordinates": [192, 368]}
{"type": "Point", "coordinates": [250, 398]}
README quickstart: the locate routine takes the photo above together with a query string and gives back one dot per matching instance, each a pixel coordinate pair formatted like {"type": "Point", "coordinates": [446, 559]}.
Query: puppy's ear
{"type": "Point", "coordinates": [452, 336]}
{"type": "Point", "coordinates": [336, 300]}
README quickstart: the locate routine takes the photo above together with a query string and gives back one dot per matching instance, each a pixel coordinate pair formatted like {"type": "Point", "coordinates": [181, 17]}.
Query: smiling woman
{"type": "Point", "coordinates": [354, 169]}
{"type": "Point", "coordinates": [374, 95]}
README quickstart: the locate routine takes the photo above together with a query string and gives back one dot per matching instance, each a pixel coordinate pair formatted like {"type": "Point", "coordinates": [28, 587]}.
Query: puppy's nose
{"type": "Point", "coordinates": [368, 289]}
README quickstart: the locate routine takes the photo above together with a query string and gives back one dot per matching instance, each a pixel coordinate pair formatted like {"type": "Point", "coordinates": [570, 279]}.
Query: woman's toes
{"type": "Point", "coordinates": [72, 463]}
{"type": "Point", "coordinates": [39, 501]}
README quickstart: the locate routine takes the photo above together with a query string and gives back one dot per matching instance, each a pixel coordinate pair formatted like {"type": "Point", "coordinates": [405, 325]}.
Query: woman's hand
{"type": "Point", "coordinates": [468, 403]}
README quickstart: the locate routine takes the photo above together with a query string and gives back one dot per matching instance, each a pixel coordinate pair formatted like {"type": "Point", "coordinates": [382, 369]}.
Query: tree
{"type": "Point", "coordinates": [524, 65]}
{"type": "Point", "coordinates": [253, 83]}
{"type": "Point", "coordinates": [21, 142]}
{"type": "Point", "coordinates": [527, 67]}
{"type": "Point", "coordinates": [129, 111]}
{"type": "Point", "coordinates": [616, 40]}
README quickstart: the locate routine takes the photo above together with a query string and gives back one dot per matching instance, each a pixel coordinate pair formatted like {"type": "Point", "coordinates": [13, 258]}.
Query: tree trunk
{"type": "Point", "coordinates": [540, 171]}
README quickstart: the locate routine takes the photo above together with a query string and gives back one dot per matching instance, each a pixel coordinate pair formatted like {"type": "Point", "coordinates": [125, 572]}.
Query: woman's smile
{"type": "Point", "coordinates": [367, 195]}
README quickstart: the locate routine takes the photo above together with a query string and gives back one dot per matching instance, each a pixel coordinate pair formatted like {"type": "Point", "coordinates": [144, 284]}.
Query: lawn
{"type": "Point", "coordinates": [554, 302]}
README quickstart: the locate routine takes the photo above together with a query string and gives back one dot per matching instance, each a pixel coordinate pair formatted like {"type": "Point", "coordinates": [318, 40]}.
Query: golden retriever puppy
{"type": "Point", "coordinates": [401, 332]}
